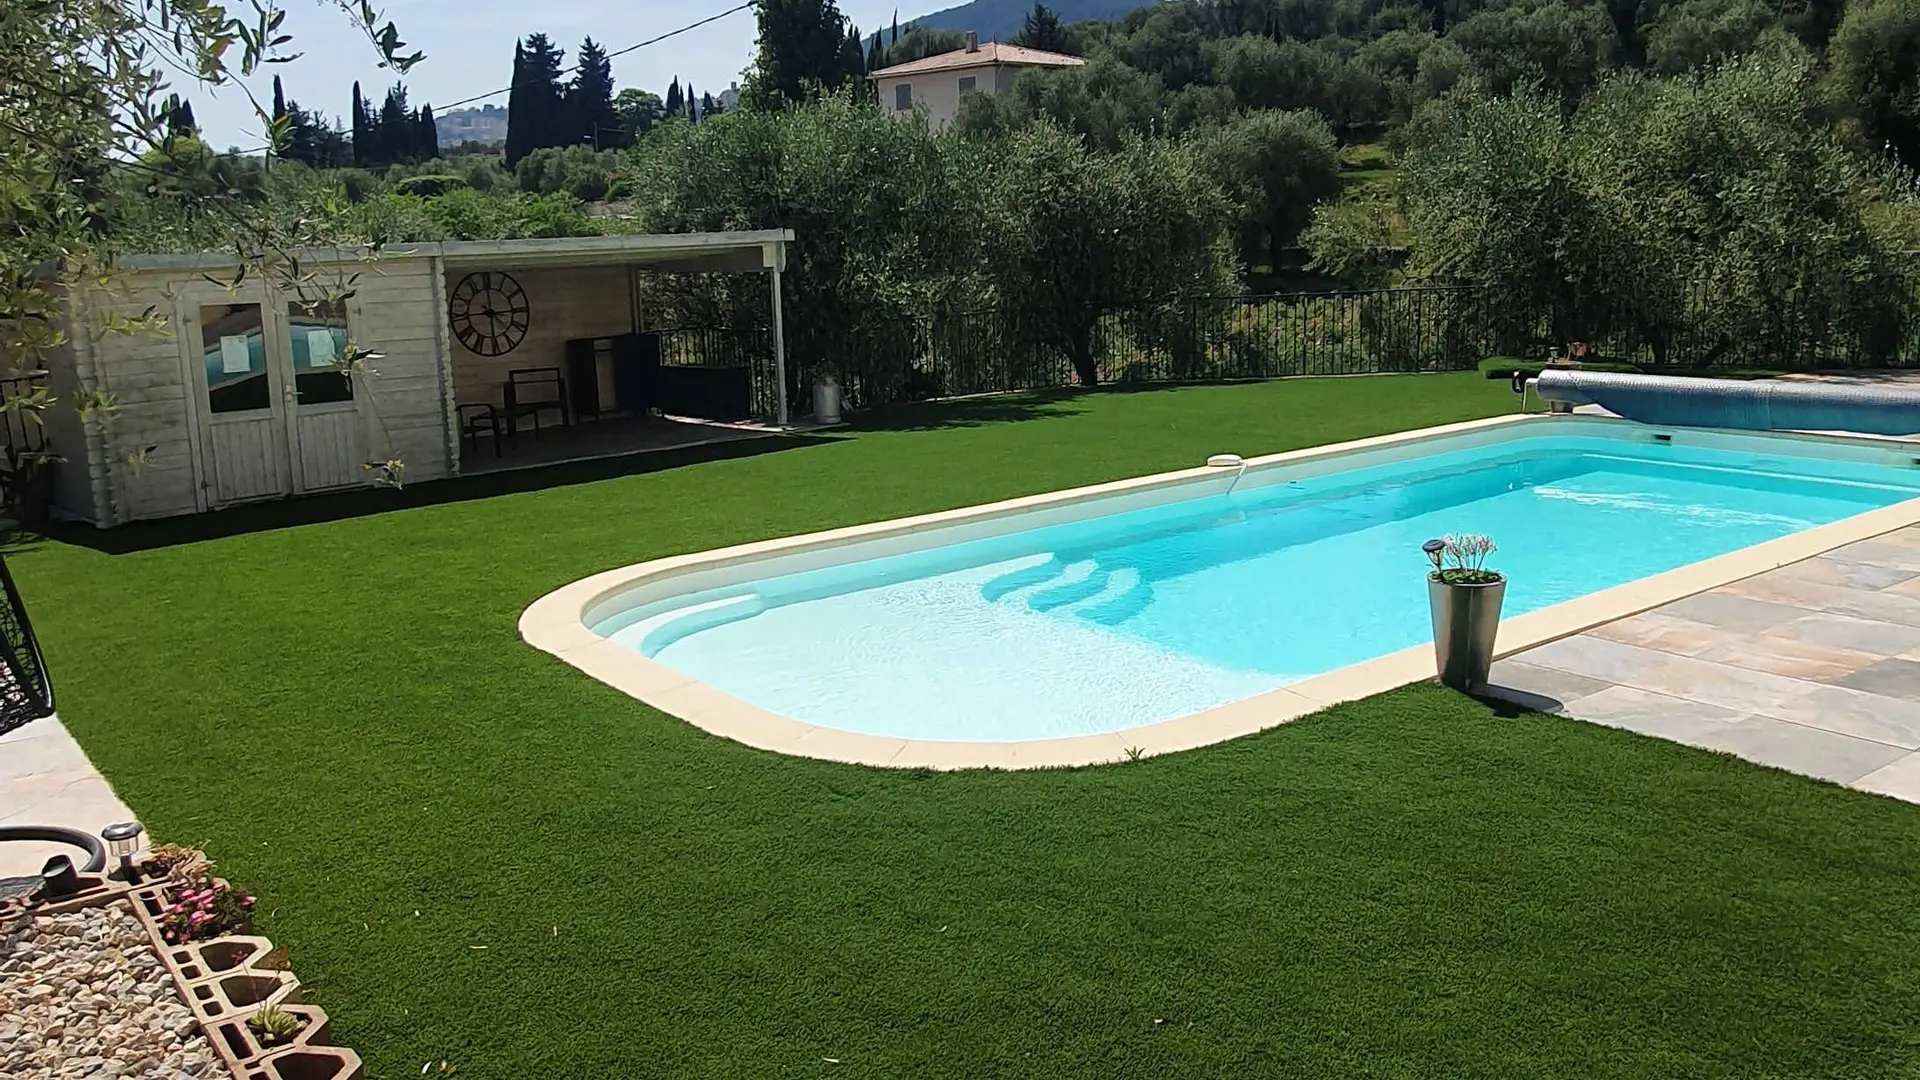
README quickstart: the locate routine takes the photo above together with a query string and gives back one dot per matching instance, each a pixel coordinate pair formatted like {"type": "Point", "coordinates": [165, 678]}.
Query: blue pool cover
{"type": "Point", "coordinates": [1767, 405]}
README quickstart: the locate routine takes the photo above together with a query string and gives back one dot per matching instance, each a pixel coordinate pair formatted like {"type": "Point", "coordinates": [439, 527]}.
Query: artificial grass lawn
{"type": "Point", "coordinates": [478, 854]}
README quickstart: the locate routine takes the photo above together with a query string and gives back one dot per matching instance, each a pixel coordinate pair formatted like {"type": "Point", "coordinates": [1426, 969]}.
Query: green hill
{"type": "Point", "coordinates": [999, 20]}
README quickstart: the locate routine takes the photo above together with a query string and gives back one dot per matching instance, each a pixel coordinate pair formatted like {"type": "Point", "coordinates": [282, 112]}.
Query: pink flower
{"type": "Point", "coordinates": [246, 901]}
{"type": "Point", "coordinates": [198, 917]}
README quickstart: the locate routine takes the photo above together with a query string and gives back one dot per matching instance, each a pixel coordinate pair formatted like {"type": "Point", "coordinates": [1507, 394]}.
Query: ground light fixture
{"type": "Point", "coordinates": [123, 840]}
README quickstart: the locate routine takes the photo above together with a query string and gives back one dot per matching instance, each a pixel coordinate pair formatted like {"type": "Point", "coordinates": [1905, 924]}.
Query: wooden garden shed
{"type": "Point", "coordinates": [489, 354]}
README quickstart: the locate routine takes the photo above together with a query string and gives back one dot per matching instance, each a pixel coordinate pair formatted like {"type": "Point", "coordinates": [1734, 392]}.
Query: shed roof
{"type": "Point", "coordinates": [993, 52]}
{"type": "Point", "coordinates": [722, 251]}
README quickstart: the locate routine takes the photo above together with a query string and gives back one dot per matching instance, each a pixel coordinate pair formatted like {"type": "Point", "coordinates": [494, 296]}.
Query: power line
{"type": "Point", "coordinates": [620, 52]}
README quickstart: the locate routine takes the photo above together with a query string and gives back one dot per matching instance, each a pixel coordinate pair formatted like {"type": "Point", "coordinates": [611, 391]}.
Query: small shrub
{"type": "Point", "coordinates": [182, 864]}
{"type": "Point", "coordinates": [430, 185]}
{"type": "Point", "coordinates": [273, 1025]}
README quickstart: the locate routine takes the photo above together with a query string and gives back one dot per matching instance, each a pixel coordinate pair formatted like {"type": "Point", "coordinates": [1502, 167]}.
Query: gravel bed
{"type": "Point", "coordinates": [84, 995]}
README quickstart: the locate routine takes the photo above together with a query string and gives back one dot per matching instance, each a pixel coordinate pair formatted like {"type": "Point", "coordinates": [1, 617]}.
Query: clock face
{"type": "Point", "coordinates": [488, 313]}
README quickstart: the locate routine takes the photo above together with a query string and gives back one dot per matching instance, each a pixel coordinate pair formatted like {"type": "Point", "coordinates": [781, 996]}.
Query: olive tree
{"type": "Point", "coordinates": [1697, 33]}
{"type": "Point", "coordinates": [1875, 79]}
{"type": "Point", "coordinates": [879, 208]}
{"type": "Point", "coordinates": [1702, 218]}
{"type": "Point", "coordinates": [1274, 167]}
{"type": "Point", "coordinates": [1080, 235]}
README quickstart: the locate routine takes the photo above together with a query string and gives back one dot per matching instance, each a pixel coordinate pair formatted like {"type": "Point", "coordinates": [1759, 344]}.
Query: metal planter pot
{"type": "Point", "coordinates": [1465, 620]}
{"type": "Point", "coordinates": [826, 400]}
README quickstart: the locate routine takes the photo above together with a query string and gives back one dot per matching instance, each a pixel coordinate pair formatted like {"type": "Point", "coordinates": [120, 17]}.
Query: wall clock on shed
{"type": "Point", "coordinates": [488, 313]}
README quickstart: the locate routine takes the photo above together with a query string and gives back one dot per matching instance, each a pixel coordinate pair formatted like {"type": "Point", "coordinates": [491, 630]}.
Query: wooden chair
{"type": "Point", "coordinates": [531, 391]}
{"type": "Point", "coordinates": [478, 417]}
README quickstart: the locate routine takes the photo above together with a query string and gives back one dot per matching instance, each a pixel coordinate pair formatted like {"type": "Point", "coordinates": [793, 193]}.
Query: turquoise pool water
{"type": "Point", "coordinates": [1146, 615]}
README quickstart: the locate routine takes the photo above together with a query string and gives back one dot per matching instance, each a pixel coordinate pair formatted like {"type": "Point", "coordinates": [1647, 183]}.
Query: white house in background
{"type": "Point", "coordinates": [935, 83]}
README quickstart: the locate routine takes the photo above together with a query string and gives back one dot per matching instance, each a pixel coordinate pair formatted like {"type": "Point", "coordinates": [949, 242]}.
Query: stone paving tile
{"type": "Point", "coordinates": [1732, 612]}
{"type": "Point", "coordinates": [1897, 550]}
{"type": "Point", "coordinates": [1858, 713]}
{"type": "Point", "coordinates": [1667, 633]}
{"type": "Point", "coordinates": [1869, 636]}
{"type": "Point", "coordinates": [1900, 779]}
{"type": "Point", "coordinates": [1596, 658]}
{"type": "Point", "coordinates": [1814, 596]}
{"type": "Point", "coordinates": [1654, 714]}
{"type": "Point", "coordinates": [1719, 684]}
{"type": "Point", "coordinates": [46, 779]}
{"type": "Point", "coordinates": [1778, 654]}
{"type": "Point", "coordinates": [1879, 606]}
{"type": "Point", "coordinates": [1892, 677]}
{"type": "Point", "coordinates": [1538, 688]}
{"type": "Point", "coordinates": [1823, 570]}
{"type": "Point", "coordinates": [1842, 759]}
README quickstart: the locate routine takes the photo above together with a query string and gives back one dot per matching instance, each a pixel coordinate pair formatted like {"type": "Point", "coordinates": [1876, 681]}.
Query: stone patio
{"type": "Point", "coordinates": [1813, 667]}
{"type": "Point", "coordinates": [46, 779]}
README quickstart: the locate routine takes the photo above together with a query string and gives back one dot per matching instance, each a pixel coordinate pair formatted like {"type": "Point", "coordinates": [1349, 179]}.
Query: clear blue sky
{"type": "Point", "coordinates": [469, 47]}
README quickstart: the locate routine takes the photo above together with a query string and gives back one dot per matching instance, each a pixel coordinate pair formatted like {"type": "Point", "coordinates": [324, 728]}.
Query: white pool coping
{"type": "Point", "coordinates": [557, 622]}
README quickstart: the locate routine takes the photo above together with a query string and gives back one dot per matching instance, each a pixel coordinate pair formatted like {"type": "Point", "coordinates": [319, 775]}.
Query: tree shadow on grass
{"type": "Point", "coordinates": [316, 509]}
{"type": "Point", "coordinates": [969, 412]}
{"type": "Point", "coordinates": [1010, 407]}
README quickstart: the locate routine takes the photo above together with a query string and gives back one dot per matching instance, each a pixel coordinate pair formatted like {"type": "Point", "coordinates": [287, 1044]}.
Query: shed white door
{"type": "Point", "coordinates": [327, 440]}
{"type": "Point", "coordinates": [280, 408]}
{"type": "Point", "coordinates": [246, 448]}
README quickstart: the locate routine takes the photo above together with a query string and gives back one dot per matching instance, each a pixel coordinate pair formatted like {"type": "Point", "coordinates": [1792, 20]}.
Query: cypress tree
{"type": "Point", "coordinates": [279, 99]}
{"type": "Point", "coordinates": [675, 101]}
{"type": "Point", "coordinates": [536, 106]}
{"type": "Point", "coordinates": [590, 98]}
{"type": "Point", "coordinates": [427, 139]}
{"type": "Point", "coordinates": [395, 135]}
{"type": "Point", "coordinates": [364, 151]}
{"type": "Point", "coordinates": [1042, 30]}
{"type": "Point", "coordinates": [802, 43]}
{"type": "Point", "coordinates": [853, 58]}
{"type": "Point", "coordinates": [180, 116]}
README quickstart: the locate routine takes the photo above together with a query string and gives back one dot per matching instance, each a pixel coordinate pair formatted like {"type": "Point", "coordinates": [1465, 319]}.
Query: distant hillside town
{"type": "Point", "coordinates": [485, 125]}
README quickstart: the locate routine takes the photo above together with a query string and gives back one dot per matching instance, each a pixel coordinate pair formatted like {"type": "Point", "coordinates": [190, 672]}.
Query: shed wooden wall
{"type": "Point", "coordinates": [406, 413]}
{"type": "Point", "coordinates": [562, 303]}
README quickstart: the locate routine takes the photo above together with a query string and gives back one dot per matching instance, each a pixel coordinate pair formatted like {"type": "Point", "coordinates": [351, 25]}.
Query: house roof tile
{"type": "Point", "coordinates": [991, 52]}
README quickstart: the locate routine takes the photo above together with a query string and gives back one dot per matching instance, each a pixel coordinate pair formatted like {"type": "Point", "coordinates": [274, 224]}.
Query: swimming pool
{"type": "Point", "coordinates": [1112, 612]}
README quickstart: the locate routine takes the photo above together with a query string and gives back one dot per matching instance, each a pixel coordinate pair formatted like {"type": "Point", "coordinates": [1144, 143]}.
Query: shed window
{"type": "Point", "coordinates": [967, 84]}
{"type": "Point", "coordinates": [903, 97]}
{"type": "Point", "coordinates": [317, 342]}
{"type": "Point", "coordinates": [233, 342]}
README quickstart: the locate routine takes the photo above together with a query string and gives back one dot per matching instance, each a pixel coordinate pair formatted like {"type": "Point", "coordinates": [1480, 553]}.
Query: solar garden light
{"type": "Point", "coordinates": [124, 840]}
{"type": "Point", "coordinates": [1433, 548]}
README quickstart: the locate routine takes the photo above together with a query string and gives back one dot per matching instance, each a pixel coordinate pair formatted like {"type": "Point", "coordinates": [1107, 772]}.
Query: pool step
{"type": "Point", "coordinates": [656, 632]}
{"type": "Point", "coordinates": [1126, 595]}
{"type": "Point", "coordinates": [1022, 574]}
{"type": "Point", "coordinates": [1077, 581]}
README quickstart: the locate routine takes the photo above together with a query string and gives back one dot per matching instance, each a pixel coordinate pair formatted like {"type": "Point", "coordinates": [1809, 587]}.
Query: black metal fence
{"type": "Point", "coordinates": [1198, 339]}
{"type": "Point", "coordinates": [1207, 339]}
{"type": "Point", "coordinates": [749, 347]}
{"type": "Point", "coordinates": [1703, 325]}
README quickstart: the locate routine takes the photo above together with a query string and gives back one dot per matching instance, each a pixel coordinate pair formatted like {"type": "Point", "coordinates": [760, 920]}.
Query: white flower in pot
{"type": "Point", "coordinates": [1465, 599]}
